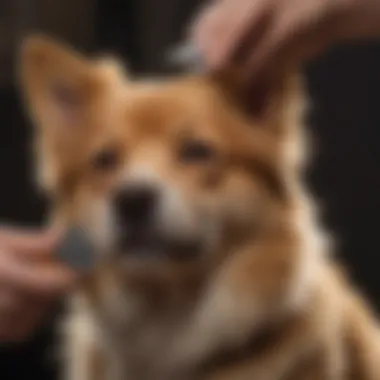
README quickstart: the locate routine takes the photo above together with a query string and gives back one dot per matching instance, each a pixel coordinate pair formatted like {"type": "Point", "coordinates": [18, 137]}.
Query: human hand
{"type": "Point", "coordinates": [30, 280]}
{"type": "Point", "coordinates": [262, 34]}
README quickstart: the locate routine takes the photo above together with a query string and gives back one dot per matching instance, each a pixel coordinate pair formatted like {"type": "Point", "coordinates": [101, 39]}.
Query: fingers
{"type": "Point", "coordinates": [45, 280]}
{"type": "Point", "coordinates": [30, 279]}
{"type": "Point", "coordinates": [248, 25]}
{"type": "Point", "coordinates": [29, 242]}
{"type": "Point", "coordinates": [291, 42]}
{"type": "Point", "coordinates": [220, 28]}
{"type": "Point", "coordinates": [259, 35]}
{"type": "Point", "coordinates": [270, 50]}
{"type": "Point", "coordinates": [20, 316]}
{"type": "Point", "coordinates": [28, 287]}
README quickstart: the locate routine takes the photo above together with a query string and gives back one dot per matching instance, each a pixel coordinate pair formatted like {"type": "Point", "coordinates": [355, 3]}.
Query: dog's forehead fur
{"type": "Point", "coordinates": [188, 108]}
{"type": "Point", "coordinates": [171, 112]}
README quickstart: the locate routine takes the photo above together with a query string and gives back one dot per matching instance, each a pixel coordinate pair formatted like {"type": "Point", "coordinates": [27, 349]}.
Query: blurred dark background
{"type": "Point", "coordinates": [344, 86]}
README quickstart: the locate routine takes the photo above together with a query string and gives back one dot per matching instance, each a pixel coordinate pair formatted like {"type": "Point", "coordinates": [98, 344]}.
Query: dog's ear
{"type": "Point", "coordinates": [63, 92]}
{"type": "Point", "coordinates": [270, 100]}
{"type": "Point", "coordinates": [58, 83]}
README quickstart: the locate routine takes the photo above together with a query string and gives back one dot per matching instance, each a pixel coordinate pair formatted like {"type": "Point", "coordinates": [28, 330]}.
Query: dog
{"type": "Point", "coordinates": [212, 263]}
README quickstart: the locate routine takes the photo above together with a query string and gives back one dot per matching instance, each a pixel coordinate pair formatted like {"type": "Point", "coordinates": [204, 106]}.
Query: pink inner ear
{"type": "Point", "coordinates": [68, 100]}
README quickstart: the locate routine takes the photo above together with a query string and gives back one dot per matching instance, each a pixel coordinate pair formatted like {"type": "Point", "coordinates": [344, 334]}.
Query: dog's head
{"type": "Point", "coordinates": [171, 171]}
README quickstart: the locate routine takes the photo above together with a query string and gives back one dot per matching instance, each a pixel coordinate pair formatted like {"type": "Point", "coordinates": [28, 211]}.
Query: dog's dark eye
{"type": "Point", "coordinates": [196, 151]}
{"type": "Point", "coordinates": [106, 159]}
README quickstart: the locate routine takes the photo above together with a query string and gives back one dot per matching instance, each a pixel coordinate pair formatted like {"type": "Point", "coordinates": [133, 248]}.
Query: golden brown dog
{"type": "Point", "coordinates": [212, 264]}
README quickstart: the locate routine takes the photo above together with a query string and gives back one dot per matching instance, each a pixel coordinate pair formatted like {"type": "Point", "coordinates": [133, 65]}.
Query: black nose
{"type": "Point", "coordinates": [136, 204]}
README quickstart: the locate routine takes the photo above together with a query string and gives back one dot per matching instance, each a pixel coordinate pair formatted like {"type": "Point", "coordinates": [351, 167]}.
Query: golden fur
{"type": "Point", "coordinates": [264, 299]}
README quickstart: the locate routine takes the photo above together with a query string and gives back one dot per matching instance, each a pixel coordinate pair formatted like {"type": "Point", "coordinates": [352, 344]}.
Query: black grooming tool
{"type": "Point", "coordinates": [77, 250]}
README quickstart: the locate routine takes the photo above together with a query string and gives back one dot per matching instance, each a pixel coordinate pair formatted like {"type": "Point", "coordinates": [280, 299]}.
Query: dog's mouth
{"type": "Point", "coordinates": [147, 245]}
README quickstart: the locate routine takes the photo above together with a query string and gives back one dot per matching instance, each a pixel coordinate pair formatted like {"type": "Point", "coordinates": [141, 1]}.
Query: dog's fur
{"type": "Point", "coordinates": [262, 299]}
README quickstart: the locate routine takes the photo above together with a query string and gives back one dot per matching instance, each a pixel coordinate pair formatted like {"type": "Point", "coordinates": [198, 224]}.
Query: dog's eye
{"type": "Point", "coordinates": [196, 151]}
{"type": "Point", "coordinates": [106, 159]}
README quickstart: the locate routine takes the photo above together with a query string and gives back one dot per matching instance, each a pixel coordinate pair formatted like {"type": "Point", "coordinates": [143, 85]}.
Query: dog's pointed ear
{"type": "Point", "coordinates": [267, 100]}
{"type": "Point", "coordinates": [58, 83]}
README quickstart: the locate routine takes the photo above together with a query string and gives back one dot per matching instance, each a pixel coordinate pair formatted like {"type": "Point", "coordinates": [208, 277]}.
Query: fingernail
{"type": "Point", "coordinates": [76, 250]}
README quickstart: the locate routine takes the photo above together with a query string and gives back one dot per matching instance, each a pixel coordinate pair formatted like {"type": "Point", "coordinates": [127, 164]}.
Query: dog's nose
{"type": "Point", "coordinates": [136, 204]}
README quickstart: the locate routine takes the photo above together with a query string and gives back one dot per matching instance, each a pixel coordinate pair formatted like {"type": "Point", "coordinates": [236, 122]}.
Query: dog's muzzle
{"type": "Point", "coordinates": [140, 228]}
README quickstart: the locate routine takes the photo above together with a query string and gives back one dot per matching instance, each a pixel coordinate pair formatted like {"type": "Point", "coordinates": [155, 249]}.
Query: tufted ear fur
{"type": "Point", "coordinates": [276, 104]}
{"type": "Point", "coordinates": [60, 84]}
{"type": "Point", "coordinates": [62, 91]}
{"type": "Point", "coordinates": [266, 100]}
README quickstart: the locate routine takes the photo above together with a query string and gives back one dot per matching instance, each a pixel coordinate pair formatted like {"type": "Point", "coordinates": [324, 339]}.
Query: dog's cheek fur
{"type": "Point", "coordinates": [241, 202]}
